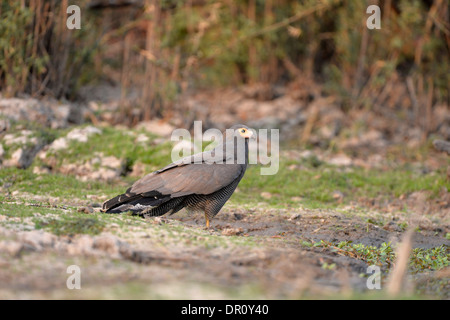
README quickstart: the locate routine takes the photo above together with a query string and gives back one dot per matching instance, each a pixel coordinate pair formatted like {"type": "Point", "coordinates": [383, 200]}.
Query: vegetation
{"type": "Point", "coordinates": [170, 47]}
{"type": "Point", "coordinates": [311, 216]}
{"type": "Point", "coordinates": [40, 55]}
{"type": "Point", "coordinates": [420, 260]}
{"type": "Point", "coordinates": [308, 182]}
{"type": "Point", "coordinates": [71, 226]}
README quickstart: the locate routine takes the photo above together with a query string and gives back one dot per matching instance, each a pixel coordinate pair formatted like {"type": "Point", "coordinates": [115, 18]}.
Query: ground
{"type": "Point", "coordinates": [268, 254]}
{"type": "Point", "coordinates": [310, 231]}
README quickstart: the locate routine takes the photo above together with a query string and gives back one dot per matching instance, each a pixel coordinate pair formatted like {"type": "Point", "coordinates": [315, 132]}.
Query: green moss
{"type": "Point", "coordinates": [71, 225]}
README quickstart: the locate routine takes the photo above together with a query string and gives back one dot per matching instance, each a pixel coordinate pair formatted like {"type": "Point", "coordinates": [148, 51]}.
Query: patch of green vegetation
{"type": "Point", "coordinates": [316, 184]}
{"type": "Point", "coordinates": [42, 134]}
{"type": "Point", "coordinates": [71, 225]}
{"type": "Point", "coordinates": [384, 255]}
{"type": "Point", "coordinates": [430, 259]}
{"type": "Point", "coordinates": [420, 259]}
{"type": "Point", "coordinates": [54, 184]}
{"type": "Point", "coordinates": [119, 143]}
{"type": "Point", "coordinates": [377, 222]}
{"type": "Point", "coordinates": [21, 210]}
{"type": "Point", "coordinates": [328, 266]}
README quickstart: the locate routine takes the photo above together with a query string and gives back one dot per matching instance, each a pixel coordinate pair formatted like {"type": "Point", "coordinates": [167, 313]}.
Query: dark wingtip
{"type": "Point", "coordinates": [111, 203]}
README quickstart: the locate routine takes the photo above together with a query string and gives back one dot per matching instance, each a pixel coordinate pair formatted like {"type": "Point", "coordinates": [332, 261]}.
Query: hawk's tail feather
{"type": "Point", "coordinates": [133, 202]}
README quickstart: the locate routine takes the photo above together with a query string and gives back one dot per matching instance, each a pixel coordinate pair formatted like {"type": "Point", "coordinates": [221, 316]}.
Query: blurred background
{"type": "Point", "coordinates": [263, 62]}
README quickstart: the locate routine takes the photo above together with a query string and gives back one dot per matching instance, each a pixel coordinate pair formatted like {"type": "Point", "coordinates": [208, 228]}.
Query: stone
{"type": "Point", "coordinates": [59, 144]}
{"type": "Point", "coordinates": [107, 243]}
{"type": "Point", "coordinates": [157, 127]}
{"type": "Point", "coordinates": [82, 134]}
{"type": "Point", "coordinates": [232, 231]}
{"type": "Point", "coordinates": [13, 248]}
{"type": "Point", "coordinates": [266, 195]}
{"type": "Point", "coordinates": [48, 112]}
{"type": "Point", "coordinates": [37, 239]}
{"type": "Point", "coordinates": [341, 160]}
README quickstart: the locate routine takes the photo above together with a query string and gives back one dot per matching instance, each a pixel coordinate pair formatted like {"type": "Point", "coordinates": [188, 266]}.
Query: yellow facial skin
{"type": "Point", "coordinates": [245, 133]}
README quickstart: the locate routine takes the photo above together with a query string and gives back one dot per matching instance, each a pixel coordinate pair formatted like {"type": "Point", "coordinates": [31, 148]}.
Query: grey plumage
{"type": "Point", "coordinates": [202, 182]}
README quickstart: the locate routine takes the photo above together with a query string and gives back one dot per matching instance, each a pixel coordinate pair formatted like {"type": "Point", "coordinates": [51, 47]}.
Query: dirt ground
{"type": "Point", "coordinates": [255, 252]}
{"type": "Point", "coordinates": [246, 254]}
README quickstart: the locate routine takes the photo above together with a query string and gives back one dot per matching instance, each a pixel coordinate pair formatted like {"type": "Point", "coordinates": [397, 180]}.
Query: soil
{"type": "Point", "coordinates": [188, 261]}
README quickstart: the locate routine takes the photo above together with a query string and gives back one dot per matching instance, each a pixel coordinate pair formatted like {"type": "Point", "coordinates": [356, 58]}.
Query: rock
{"type": "Point", "coordinates": [392, 226]}
{"type": "Point", "coordinates": [13, 248]}
{"type": "Point", "coordinates": [158, 220]}
{"type": "Point", "coordinates": [102, 174]}
{"type": "Point", "coordinates": [106, 243]}
{"type": "Point", "coordinates": [295, 216]}
{"type": "Point", "coordinates": [232, 231]}
{"type": "Point", "coordinates": [341, 160]}
{"type": "Point", "coordinates": [50, 113]}
{"type": "Point", "coordinates": [2, 151]}
{"type": "Point", "coordinates": [37, 239]}
{"type": "Point", "coordinates": [142, 138]}
{"type": "Point", "coordinates": [110, 244]}
{"type": "Point", "coordinates": [58, 144]}
{"type": "Point", "coordinates": [80, 245]}
{"type": "Point", "coordinates": [82, 134]}
{"type": "Point", "coordinates": [26, 147]}
{"type": "Point", "coordinates": [157, 127]}
{"type": "Point", "coordinates": [138, 169]}
{"type": "Point", "coordinates": [337, 195]}
{"type": "Point", "coordinates": [22, 139]}
{"type": "Point", "coordinates": [266, 195]}
{"type": "Point", "coordinates": [85, 209]}
{"type": "Point", "coordinates": [111, 162]}
{"type": "Point", "coordinates": [110, 168]}
{"type": "Point", "coordinates": [19, 159]}
{"type": "Point", "coordinates": [41, 170]}
{"type": "Point", "coordinates": [306, 154]}
{"type": "Point", "coordinates": [442, 145]}
{"type": "Point", "coordinates": [238, 216]}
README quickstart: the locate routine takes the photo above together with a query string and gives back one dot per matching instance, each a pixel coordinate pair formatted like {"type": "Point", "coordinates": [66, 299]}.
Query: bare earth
{"type": "Point", "coordinates": [248, 253]}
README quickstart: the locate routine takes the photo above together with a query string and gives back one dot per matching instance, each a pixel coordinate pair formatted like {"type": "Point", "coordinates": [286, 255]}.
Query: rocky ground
{"type": "Point", "coordinates": [263, 254]}
{"type": "Point", "coordinates": [365, 183]}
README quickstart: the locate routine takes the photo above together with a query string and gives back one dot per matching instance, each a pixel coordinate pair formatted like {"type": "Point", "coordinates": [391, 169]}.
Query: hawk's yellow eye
{"type": "Point", "coordinates": [243, 130]}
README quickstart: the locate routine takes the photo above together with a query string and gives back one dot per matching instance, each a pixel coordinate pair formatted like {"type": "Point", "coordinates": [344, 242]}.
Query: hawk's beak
{"type": "Point", "coordinates": [249, 135]}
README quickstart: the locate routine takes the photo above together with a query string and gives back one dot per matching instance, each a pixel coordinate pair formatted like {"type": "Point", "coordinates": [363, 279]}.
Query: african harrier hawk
{"type": "Point", "coordinates": [201, 182]}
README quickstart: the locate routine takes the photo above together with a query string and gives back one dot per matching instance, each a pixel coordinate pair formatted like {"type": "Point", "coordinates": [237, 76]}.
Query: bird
{"type": "Point", "coordinates": [200, 182]}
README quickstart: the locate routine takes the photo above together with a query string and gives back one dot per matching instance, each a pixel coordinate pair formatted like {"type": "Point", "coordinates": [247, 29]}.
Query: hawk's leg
{"type": "Point", "coordinates": [207, 220]}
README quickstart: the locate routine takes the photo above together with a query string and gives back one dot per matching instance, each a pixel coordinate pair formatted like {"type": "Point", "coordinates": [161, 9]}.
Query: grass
{"type": "Point", "coordinates": [432, 259]}
{"type": "Point", "coordinates": [52, 185]}
{"type": "Point", "coordinates": [119, 143]}
{"type": "Point", "coordinates": [71, 225]}
{"type": "Point", "coordinates": [314, 182]}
